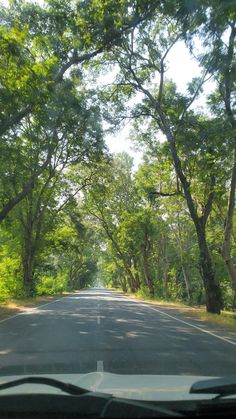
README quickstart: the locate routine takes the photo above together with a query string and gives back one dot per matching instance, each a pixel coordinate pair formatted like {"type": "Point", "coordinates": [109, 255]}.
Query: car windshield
{"type": "Point", "coordinates": [117, 191]}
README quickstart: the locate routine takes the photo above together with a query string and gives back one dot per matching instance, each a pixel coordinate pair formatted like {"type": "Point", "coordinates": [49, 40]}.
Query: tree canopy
{"type": "Point", "coordinates": [73, 215]}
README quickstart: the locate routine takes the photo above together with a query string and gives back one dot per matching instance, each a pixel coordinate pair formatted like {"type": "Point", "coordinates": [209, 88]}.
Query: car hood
{"type": "Point", "coordinates": [135, 387]}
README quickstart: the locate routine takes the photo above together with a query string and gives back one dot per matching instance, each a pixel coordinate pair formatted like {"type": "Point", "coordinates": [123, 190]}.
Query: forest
{"type": "Point", "coordinates": [74, 215]}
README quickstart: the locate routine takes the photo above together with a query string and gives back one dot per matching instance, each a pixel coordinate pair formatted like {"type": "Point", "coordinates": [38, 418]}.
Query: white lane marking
{"type": "Point", "coordinates": [47, 304]}
{"type": "Point", "coordinates": [182, 321]}
{"type": "Point", "coordinates": [12, 317]}
{"type": "Point", "coordinates": [100, 366]}
{"type": "Point", "coordinates": [98, 320]}
{"type": "Point", "coordinates": [191, 325]}
{"type": "Point", "coordinates": [32, 308]}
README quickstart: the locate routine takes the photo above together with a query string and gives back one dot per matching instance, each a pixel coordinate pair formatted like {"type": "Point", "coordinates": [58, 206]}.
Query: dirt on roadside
{"type": "Point", "coordinates": [12, 307]}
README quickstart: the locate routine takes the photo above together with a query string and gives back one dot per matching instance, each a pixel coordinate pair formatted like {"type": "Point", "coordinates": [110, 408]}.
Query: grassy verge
{"type": "Point", "coordinates": [12, 306]}
{"type": "Point", "coordinates": [226, 320]}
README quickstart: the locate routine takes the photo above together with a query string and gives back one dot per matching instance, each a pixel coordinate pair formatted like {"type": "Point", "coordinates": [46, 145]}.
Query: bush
{"type": "Point", "coordinates": [48, 285]}
{"type": "Point", "coordinates": [11, 283]}
{"type": "Point", "coordinates": [143, 292]}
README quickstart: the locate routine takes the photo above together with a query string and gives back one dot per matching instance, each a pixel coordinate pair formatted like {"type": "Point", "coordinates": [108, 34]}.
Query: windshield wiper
{"type": "Point", "coordinates": [66, 387]}
{"type": "Point", "coordinates": [103, 405]}
{"type": "Point", "coordinates": [223, 387]}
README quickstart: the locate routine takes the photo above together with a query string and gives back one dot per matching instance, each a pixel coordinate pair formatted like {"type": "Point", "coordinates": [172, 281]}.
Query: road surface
{"type": "Point", "coordinates": [102, 330]}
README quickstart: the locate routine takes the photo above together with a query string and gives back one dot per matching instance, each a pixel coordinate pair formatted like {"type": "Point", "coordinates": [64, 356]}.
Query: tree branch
{"type": "Point", "coordinates": [74, 60]}
{"type": "Point", "coordinates": [27, 188]}
{"type": "Point", "coordinates": [159, 193]}
{"type": "Point", "coordinates": [202, 81]}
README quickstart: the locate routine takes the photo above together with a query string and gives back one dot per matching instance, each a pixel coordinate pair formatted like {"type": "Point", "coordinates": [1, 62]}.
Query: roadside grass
{"type": "Point", "coordinates": [10, 307]}
{"type": "Point", "coordinates": [227, 319]}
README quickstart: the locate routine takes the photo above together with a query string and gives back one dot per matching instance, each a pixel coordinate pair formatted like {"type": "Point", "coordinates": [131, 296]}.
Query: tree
{"type": "Point", "coordinates": [214, 23]}
{"type": "Point", "coordinates": [143, 56]}
{"type": "Point", "coordinates": [69, 212]}
{"type": "Point", "coordinates": [40, 45]}
{"type": "Point", "coordinates": [107, 200]}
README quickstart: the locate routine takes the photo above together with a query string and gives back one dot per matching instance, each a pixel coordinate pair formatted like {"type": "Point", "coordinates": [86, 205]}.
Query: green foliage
{"type": "Point", "coordinates": [74, 216]}
{"type": "Point", "coordinates": [48, 285]}
{"type": "Point", "coordinates": [10, 277]}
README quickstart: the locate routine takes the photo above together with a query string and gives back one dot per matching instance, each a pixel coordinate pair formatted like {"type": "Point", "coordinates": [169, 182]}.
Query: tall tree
{"type": "Point", "coordinates": [41, 45]}
{"type": "Point", "coordinates": [214, 23]}
{"type": "Point", "coordinates": [144, 55]}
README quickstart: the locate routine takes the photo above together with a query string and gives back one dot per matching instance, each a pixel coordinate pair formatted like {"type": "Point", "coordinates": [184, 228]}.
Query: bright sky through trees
{"type": "Point", "coordinates": [167, 227]}
{"type": "Point", "coordinates": [182, 68]}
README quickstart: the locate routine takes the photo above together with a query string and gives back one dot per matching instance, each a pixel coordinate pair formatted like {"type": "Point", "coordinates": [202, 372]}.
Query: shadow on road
{"type": "Point", "coordinates": [72, 334]}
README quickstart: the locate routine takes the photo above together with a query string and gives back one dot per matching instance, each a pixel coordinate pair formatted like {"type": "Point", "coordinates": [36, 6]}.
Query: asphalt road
{"type": "Point", "coordinates": [99, 329]}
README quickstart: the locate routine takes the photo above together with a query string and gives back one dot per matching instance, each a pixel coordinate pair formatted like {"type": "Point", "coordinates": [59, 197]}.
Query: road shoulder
{"type": "Point", "coordinates": [13, 307]}
{"type": "Point", "coordinates": [224, 325]}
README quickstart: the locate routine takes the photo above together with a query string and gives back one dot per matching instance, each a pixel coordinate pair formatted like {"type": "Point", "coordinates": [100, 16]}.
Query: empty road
{"type": "Point", "coordinates": [99, 329]}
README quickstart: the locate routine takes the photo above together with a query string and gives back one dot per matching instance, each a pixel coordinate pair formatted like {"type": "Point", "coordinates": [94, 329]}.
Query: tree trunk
{"type": "Point", "coordinates": [228, 230]}
{"type": "Point", "coordinates": [130, 277]}
{"type": "Point", "coordinates": [123, 284]}
{"type": "Point", "coordinates": [146, 271]}
{"type": "Point", "coordinates": [186, 281]}
{"type": "Point", "coordinates": [26, 190]}
{"type": "Point", "coordinates": [136, 275]}
{"type": "Point", "coordinates": [70, 277]}
{"type": "Point", "coordinates": [212, 288]}
{"type": "Point", "coordinates": [185, 276]}
{"type": "Point", "coordinates": [130, 280]}
{"type": "Point", "coordinates": [137, 280]}
{"type": "Point", "coordinates": [213, 295]}
{"type": "Point", "coordinates": [148, 277]}
{"type": "Point", "coordinates": [227, 91]}
{"type": "Point", "coordinates": [28, 266]}
{"type": "Point", "coordinates": [31, 235]}
{"type": "Point", "coordinates": [163, 256]}
{"type": "Point", "coordinates": [165, 275]}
